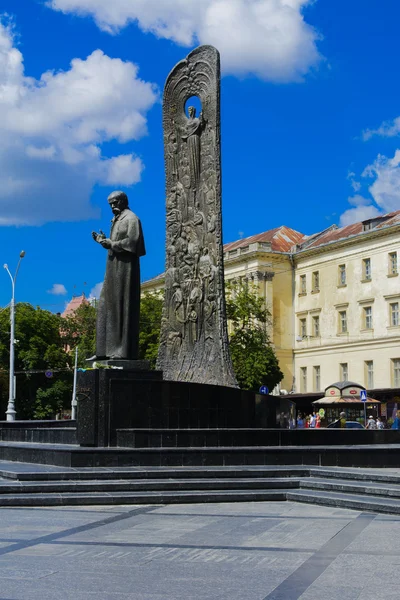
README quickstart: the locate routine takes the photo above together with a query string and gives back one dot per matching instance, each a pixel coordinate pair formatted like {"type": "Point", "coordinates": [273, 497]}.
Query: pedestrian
{"type": "Point", "coordinates": [396, 423]}
{"type": "Point", "coordinates": [318, 422]}
{"type": "Point", "coordinates": [379, 424]}
{"type": "Point", "coordinates": [313, 420]}
{"type": "Point", "coordinates": [300, 421]}
{"type": "Point", "coordinates": [371, 423]}
{"type": "Point", "coordinates": [342, 419]}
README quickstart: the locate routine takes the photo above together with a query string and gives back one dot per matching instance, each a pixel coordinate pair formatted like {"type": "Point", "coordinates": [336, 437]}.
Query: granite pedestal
{"type": "Point", "coordinates": [110, 400]}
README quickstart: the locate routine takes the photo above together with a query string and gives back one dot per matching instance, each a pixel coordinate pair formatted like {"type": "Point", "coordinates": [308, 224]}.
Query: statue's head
{"type": "Point", "coordinates": [192, 112]}
{"type": "Point", "coordinates": [118, 201]}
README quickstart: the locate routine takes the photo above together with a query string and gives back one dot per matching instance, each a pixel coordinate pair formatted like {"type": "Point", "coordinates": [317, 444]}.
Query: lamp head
{"type": "Point", "coordinates": [22, 254]}
{"type": "Point", "coordinates": [5, 266]}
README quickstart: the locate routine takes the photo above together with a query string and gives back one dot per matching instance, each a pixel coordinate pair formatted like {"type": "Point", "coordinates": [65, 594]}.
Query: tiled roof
{"type": "Point", "coordinates": [74, 304]}
{"type": "Point", "coordinates": [281, 239]}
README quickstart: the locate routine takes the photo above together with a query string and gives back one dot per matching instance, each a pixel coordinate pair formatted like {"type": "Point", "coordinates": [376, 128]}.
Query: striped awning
{"type": "Point", "coordinates": [329, 401]}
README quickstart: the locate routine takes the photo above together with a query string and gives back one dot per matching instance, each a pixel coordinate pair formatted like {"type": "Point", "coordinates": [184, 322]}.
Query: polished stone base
{"type": "Point", "coordinates": [109, 400]}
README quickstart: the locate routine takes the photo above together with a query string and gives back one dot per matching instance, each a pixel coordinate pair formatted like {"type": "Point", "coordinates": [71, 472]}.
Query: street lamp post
{"type": "Point", "coordinates": [11, 399]}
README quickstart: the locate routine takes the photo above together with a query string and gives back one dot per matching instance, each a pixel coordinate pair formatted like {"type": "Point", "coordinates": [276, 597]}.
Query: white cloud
{"type": "Point", "coordinates": [384, 191]}
{"type": "Point", "coordinates": [124, 169]}
{"type": "Point", "coordinates": [356, 185]}
{"type": "Point", "coordinates": [268, 38]}
{"type": "Point", "coordinates": [96, 291]}
{"type": "Point", "coordinates": [386, 187]}
{"type": "Point", "coordinates": [387, 129]}
{"type": "Point", "coordinates": [362, 210]}
{"type": "Point", "coordinates": [52, 130]}
{"type": "Point", "coordinates": [58, 289]}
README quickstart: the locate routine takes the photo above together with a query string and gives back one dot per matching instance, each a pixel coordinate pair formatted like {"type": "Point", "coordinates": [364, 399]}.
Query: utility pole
{"type": "Point", "coordinates": [11, 399]}
{"type": "Point", "coordinates": [74, 403]}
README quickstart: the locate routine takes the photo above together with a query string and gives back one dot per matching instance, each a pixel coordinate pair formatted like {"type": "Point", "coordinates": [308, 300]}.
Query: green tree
{"type": "Point", "coordinates": [253, 357]}
{"type": "Point", "coordinates": [150, 325]}
{"type": "Point", "coordinates": [39, 347]}
{"type": "Point", "coordinates": [79, 329]}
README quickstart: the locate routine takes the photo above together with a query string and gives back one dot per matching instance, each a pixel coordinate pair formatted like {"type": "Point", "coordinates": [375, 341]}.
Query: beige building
{"type": "Point", "coordinates": [346, 304]}
{"type": "Point", "coordinates": [334, 298]}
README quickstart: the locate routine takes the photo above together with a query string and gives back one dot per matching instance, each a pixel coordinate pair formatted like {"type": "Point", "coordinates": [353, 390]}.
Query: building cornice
{"type": "Point", "coordinates": [381, 341]}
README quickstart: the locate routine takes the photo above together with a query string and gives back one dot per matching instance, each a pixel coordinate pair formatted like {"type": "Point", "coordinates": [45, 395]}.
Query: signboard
{"type": "Point", "coordinates": [363, 395]}
{"type": "Point", "coordinates": [321, 413]}
{"type": "Point", "coordinates": [332, 391]}
{"type": "Point", "coordinates": [264, 390]}
{"type": "Point", "coordinates": [49, 374]}
{"type": "Point", "coordinates": [352, 391]}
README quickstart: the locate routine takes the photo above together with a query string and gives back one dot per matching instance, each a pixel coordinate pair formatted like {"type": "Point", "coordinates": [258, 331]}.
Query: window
{"type": "Point", "coordinates": [342, 274]}
{"type": "Point", "coordinates": [303, 327]}
{"type": "Point", "coordinates": [303, 284]}
{"type": "Point", "coordinates": [316, 331]}
{"type": "Point", "coordinates": [394, 314]}
{"type": "Point", "coordinates": [343, 321]}
{"type": "Point", "coordinates": [303, 379]}
{"type": "Point", "coordinates": [396, 372]}
{"type": "Point", "coordinates": [317, 379]}
{"type": "Point", "coordinates": [367, 269]}
{"type": "Point", "coordinates": [393, 263]}
{"type": "Point", "coordinates": [368, 317]}
{"type": "Point", "coordinates": [315, 281]}
{"type": "Point", "coordinates": [369, 371]}
{"type": "Point", "coordinates": [344, 372]}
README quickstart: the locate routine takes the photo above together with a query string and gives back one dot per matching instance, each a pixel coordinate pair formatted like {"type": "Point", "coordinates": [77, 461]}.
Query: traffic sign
{"type": "Point", "coordinates": [264, 390]}
{"type": "Point", "coordinates": [49, 374]}
{"type": "Point", "coordinates": [363, 395]}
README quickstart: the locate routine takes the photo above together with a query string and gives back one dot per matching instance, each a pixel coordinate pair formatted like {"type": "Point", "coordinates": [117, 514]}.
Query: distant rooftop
{"type": "Point", "coordinates": [281, 239]}
{"type": "Point", "coordinates": [335, 234]}
{"type": "Point", "coordinates": [285, 239]}
{"type": "Point", "coordinates": [74, 304]}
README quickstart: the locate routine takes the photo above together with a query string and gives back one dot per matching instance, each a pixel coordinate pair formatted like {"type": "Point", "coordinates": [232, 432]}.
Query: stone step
{"type": "Point", "coordinates": [357, 474]}
{"type": "Point", "coordinates": [369, 488]}
{"type": "Point", "coordinates": [39, 435]}
{"type": "Point", "coordinates": [376, 504]}
{"type": "Point", "coordinates": [32, 472]}
{"type": "Point", "coordinates": [234, 436]}
{"type": "Point", "coordinates": [149, 485]}
{"type": "Point", "coordinates": [314, 455]}
{"type": "Point", "coordinates": [181, 497]}
{"type": "Point", "coordinates": [325, 498]}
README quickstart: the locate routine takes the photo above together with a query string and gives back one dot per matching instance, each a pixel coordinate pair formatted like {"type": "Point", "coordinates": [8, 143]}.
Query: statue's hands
{"type": "Point", "coordinates": [105, 243]}
{"type": "Point", "coordinates": [98, 237]}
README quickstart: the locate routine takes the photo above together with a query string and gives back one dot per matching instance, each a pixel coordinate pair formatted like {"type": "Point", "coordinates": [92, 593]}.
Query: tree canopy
{"type": "Point", "coordinates": [150, 325]}
{"type": "Point", "coordinates": [254, 360]}
{"type": "Point", "coordinates": [38, 348]}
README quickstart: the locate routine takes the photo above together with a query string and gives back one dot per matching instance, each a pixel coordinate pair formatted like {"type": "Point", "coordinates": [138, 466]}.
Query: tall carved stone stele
{"type": "Point", "coordinates": [194, 339]}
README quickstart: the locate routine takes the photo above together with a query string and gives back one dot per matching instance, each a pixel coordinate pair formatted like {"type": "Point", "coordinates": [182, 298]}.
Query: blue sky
{"type": "Point", "coordinates": [310, 122]}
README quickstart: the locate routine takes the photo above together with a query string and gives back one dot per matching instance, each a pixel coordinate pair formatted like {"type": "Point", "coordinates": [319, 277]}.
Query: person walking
{"type": "Point", "coordinates": [371, 423]}
{"type": "Point", "coordinates": [379, 423]}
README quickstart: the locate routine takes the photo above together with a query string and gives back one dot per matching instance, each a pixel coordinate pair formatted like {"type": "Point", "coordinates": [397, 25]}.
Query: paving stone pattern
{"type": "Point", "coordinates": [230, 551]}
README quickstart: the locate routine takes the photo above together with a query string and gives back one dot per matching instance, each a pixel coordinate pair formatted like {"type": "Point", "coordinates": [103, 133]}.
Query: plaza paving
{"type": "Point", "coordinates": [236, 551]}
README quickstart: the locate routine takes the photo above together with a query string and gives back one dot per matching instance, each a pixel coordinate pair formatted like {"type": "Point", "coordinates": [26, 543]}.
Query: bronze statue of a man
{"type": "Point", "coordinates": [117, 331]}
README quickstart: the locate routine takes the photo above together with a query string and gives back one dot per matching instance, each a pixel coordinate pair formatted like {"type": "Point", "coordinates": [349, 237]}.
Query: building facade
{"type": "Point", "coordinates": [334, 299]}
{"type": "Point", "coordinates": [346, 304]}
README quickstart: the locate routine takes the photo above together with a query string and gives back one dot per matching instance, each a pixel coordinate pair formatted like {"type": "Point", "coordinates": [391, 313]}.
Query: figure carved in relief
{"type": "Point", "coordinates": [172, 156]}
{"type": "Point", "coordinates": [194, 128]}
